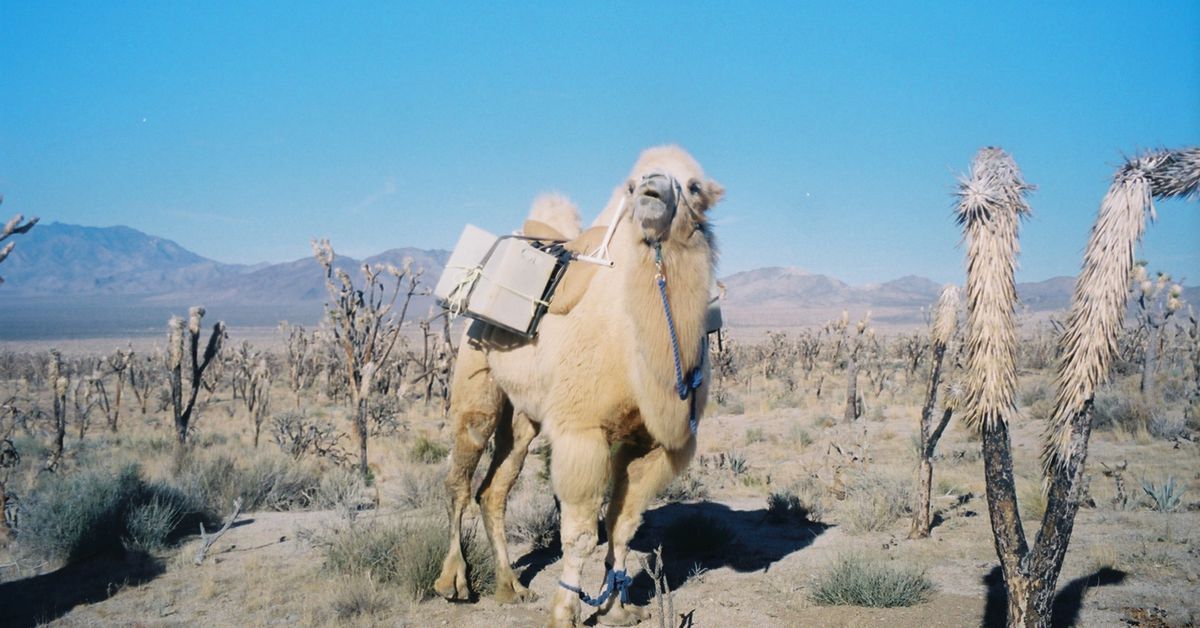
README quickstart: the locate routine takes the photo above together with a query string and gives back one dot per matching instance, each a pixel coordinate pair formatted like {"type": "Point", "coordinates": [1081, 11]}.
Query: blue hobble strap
{"type": "Point", "coordinates": [614, 581]}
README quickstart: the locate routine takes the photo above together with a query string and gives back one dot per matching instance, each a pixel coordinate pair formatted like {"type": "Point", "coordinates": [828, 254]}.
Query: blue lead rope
{"type": "Point", "coordinates": [618, 581]}
{"type": "Point", "coordinates": [685, 387]}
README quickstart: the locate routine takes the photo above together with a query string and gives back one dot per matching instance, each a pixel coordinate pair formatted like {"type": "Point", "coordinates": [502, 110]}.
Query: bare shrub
{"type": "Point", "coordinates": [297, 435]}
{"type": "Point", "coordinates": [855, 580]}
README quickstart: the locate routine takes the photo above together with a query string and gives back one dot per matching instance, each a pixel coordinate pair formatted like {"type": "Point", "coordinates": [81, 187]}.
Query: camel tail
{"type": "Point", "coordinates": [557, 212]}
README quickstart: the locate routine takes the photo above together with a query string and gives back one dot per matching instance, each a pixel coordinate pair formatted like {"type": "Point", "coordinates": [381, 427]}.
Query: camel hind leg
{"type": "Point", "coordinates": [637, 479]}
{"type": "Point", "coordinates": [514, 432]}
{"type": "Point", "coordinates": [476, 404]}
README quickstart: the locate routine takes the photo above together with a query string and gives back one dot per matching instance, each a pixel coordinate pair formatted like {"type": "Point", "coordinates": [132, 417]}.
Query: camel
{"type": "Point", "coordinates": [618, 400]}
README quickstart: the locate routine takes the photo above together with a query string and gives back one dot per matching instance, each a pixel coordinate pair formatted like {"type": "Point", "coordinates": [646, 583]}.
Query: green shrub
{"type": "Point", "coordinates": [98, 511]}
{"type": "Point", "coordinates": [755, 435]}
{"type": "Point", "coordinates": [408, 555]}
{"type": "Point", "coordinates": [427, 451]}
{"type": "Point", "coordinates": [854, 580]}
{"type": "Point", "coordinates": [73, 518]}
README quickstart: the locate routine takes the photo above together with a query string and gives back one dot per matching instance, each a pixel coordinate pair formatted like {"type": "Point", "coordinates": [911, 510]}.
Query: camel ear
{"type": "Point", "coordinates": [713, 191]}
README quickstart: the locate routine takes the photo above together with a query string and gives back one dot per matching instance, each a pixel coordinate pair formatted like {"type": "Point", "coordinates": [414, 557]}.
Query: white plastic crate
{"type": "Point", "coordinates": [497, 280]}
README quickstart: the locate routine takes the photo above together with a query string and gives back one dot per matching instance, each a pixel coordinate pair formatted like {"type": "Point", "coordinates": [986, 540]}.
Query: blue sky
{"type": "Point", "coordinates": [242, 130]}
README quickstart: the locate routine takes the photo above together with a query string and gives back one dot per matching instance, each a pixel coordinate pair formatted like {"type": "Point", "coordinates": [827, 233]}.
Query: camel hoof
{"type": "Point", "coordinates": [620, 615]}
{"type": "Point", "coordinates": [514, 593]}
{"type": "Point", "coordinates": [453, 587]}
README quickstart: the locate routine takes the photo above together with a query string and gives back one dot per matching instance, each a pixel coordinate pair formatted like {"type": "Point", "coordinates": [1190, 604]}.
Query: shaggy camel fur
{"type": "Point", "coordinates": [600, 380]}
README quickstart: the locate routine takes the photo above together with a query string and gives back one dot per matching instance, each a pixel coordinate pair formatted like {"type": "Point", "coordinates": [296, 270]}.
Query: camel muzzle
{"type": "Point", "coordinates": [654, 204]}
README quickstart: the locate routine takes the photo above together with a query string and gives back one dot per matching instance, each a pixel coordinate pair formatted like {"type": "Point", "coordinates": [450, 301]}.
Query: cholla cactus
{"type": "Point", "coordinates": [15, 226]}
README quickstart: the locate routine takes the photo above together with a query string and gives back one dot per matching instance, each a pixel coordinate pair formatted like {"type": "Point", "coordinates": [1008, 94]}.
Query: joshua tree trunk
{"type": "Point", "coordinates": [58, 387]}
{"type": "Point", "coordinates": [851, 411]}
{"type": "Point", "coordinates": [1149, 363]}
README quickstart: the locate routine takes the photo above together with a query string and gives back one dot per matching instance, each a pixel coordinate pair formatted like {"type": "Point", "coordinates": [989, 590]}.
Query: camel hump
{"type": "Point", "coordinates": [553, 216]}
{"type": "Point", "coordinates": [575, 281]}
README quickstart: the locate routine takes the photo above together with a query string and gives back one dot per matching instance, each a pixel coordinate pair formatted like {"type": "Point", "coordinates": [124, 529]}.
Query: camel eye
{"type": "Point", "coordinates": [694, 186]}
{"type": "Point", "coordinates": [631, 186]}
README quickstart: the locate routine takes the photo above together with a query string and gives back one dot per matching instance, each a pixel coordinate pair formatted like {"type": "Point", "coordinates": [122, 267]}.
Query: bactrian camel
{"type": "Point", "coordinates": [602, 380]}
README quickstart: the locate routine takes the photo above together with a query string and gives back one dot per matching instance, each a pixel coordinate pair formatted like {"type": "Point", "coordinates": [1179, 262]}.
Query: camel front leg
{"type": "Point", "coordinates": [637, 481]}
{"type": "Point", "coordinates": [579, 472]}
{"type": "Point", "coordinates": [475, 408]}
{"type": "Point", "coordinates": [512, 444]}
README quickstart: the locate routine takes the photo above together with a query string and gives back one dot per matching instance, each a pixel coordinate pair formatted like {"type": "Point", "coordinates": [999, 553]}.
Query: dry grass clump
{"type": "Point", "coordinates": [533, 518]}
{"type": "Point", "coordinates": [685, 488]}
{"type": "Point", "coordinates": [418, 487]}
{"type": "Point", "coordinates": [1115, 411]}
{"type": "Point", "coordinates": [268, 482]}
{"type": "Point", "coordinates": [875, 502]}
{"type": "Point", "coordinates": [357, 596]}
{"type": "Point", "coordinates": [803, 501]}
{"type": "Point", "coordinates": [427, 451]}
{"type": "Point", "coordinates": [856, 580]}
{"type": "Point", "coordinates": [405, 554]}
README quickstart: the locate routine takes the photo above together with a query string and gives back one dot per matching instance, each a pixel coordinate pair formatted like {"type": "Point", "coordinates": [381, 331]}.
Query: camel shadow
{"type": "Point", "coordinates": [701, 536]}
{"type": "Point", "coordinates": [697, 537]}
{"type": "Point", "coordinates": [41, 599]}
{"type": "Point", "coordinates": [1067, 603]}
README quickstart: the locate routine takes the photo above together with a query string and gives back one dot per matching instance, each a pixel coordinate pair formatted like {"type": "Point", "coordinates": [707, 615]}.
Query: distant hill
{"type": "Point", "coordinates": [73, 281]}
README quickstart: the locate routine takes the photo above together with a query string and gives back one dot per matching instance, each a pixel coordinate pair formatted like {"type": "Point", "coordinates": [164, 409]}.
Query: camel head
{"type": "Point", "coordinates": [669, 197]}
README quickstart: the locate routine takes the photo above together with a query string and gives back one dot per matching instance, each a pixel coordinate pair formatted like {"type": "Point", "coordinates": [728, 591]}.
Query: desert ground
{"type": "Point", "coordinates": [782, 488]}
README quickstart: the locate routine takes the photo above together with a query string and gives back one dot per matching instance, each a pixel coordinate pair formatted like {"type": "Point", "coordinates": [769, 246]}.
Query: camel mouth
{"type": "Point", "coordinates": [654, 205]}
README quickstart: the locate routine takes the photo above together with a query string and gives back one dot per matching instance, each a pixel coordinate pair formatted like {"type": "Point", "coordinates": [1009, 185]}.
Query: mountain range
{"type": "Point", "coordinates": [74, 281]}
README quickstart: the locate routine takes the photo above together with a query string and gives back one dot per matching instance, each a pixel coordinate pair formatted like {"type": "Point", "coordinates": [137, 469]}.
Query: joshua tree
{"type": "Point", "coordinates": [301, 370]}
{"type": "Point", "coordinates": [945, 320]}
{"type": "Point", "coordinates": [365, 326]}
{"type": "Point", "coordinates": [990, 206]}
{"type": "Point", "coordinates": [15, 226]}
{"type": "Point", "coordinates": [258, 396]}
{"type": "Point", "coordinates": [854, 347]}
{"type": "Point", "coordinates": [183, 346]}
{"type": "Point", "coordinates": [1156, 301]}
{"type": "Point", "coordinates": [58, 389]}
